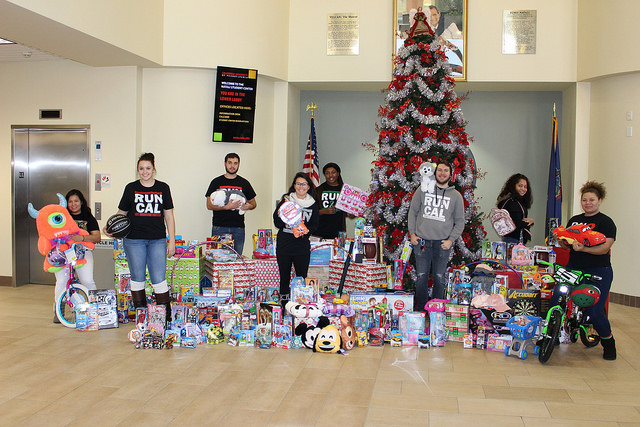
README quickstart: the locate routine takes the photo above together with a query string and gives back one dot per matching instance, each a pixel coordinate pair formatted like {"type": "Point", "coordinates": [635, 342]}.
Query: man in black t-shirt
{"type": "Point", "coordinates": [227, 219]}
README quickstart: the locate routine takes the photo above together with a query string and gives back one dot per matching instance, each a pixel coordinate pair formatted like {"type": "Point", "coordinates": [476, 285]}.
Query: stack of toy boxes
{"type": "Point", "coordinates": [243, 274]}
{"type": "Point", "coordinates": [184, 273]}
{"type": "Point", "coordinates": [360, 277]}
{"type": "Point", "coordinates": [456, 321]}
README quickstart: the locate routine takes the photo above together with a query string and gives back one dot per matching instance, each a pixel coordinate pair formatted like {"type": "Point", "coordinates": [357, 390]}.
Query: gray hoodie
{"type": "Point", "coordinates": [438, 215]}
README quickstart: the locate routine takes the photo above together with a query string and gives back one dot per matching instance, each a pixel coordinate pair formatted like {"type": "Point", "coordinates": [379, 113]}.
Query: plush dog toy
{"type": "Point", "coordinates": [328, 340]}
{"type": "Point", "coordinates": [428, 183]}
{"type": "Point", "coordinates": [222, 197]}
{"type": "Point", "coordinates": [347, 333]}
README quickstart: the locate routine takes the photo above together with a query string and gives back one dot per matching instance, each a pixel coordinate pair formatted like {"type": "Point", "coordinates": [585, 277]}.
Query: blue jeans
{"type": "Point", "coordinates": [430, 258]}
{"type": "Point", "coordinates": [143, 254]}
{"type": "Point", "coordinates": [236, 232]}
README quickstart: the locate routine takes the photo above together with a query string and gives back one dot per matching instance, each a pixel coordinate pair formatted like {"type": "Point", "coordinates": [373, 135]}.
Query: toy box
{"type": "Point", "coordinates": [107, 307]}
{"type": "Point", "coordinates": [156, 318]}
{"type": "Point", "coordinates": [498, 342]}
{"type": "Point", "coordinates": [360, 277]}
{"type": "Point", "coordinates": [376, 336]}
{"type": "Point", "coordinates": [456, 321]}
{"type": "Point", "coordinates": [320, 254]}
{"type": "Point", "coordinates": [411, 326]}
{"type": "Point", "coordinates": [263, 336]}
{"type": "Point", "coordinates": [304, 291]}
{"type": "Point", "coordinates": [524, 301]}
{"type": "Point", "coordinates": [497, 319]}
{"type": "Point", "coordinates": [397, 301]}
{"type": "Point", "coordinates": [87, 317]}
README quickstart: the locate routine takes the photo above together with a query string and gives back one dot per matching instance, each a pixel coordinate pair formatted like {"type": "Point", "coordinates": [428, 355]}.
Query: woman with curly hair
{"type": "Point", "coordinates": [595, 260]}
{"type": "Point", "coordinates": [516, 198]}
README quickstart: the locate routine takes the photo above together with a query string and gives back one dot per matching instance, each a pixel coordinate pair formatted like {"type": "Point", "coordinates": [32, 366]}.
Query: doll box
{"type": "Point", "coordinates": [497, 342]}
{"type": "Point", "coordinates": [395, 301]}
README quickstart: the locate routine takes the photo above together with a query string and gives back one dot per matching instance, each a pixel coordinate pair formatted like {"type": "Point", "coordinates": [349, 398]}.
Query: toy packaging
{"type": "Point", "coordinates": [437, 318]}
{"type": "Point", "coordinates": [376, 337]}
{"type": "Point", "coordinates": [107, 307]}
{"type": "Point", "coordinates": [499, 251]}
{"type": "Point", "coordinates": [467, 341]}
{"type": "Point", "coordinates": [263, 336]}
{"type": "Point", "coordinates": [87, 317]}
{"type": "Point", "coordinates": [304, 291]}
{"type": "Point", "coordinates": [486, 249]}
{"type": "Point", "coordinates": [157, 315]}
{"type": "Point", "coordinates": [397, 301]}
{"type": "Point", "coordinates": [497, 342]}
{"type": "Point", "coordinates": [412, 324]}
{"type": "Point", "coordinates": [500, 285]}
{"type": "Point", "coordinates": [524, 301]}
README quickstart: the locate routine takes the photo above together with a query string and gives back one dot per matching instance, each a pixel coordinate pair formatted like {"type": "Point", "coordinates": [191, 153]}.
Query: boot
{"type": "Point", "coordinates": [609, 345]}
{"type": "Point", "coordinates": [139, 299]}
{"type": "Point", "coordinates": [165, 299]}
{"type": "Point", "coordinates": [284, 299]}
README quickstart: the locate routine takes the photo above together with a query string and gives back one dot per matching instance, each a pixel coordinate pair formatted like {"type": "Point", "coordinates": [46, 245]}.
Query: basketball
{"type": "Point", "coordinates": [118, 226]}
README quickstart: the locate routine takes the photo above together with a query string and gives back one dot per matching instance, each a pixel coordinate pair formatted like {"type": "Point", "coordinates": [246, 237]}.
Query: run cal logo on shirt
{"type": "Point", "coordinates": [435, 206]}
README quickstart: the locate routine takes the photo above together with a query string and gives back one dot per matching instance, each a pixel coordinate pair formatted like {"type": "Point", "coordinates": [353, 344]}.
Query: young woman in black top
{"type": "Point", "coordinates": [148, 204]}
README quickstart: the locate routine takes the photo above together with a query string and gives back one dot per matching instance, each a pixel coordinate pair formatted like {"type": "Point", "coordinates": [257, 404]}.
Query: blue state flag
{"type": "Point", "coordinates": [554, 189]}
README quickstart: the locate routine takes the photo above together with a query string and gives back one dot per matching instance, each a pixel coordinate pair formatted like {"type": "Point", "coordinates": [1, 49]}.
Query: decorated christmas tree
{"type": "Point", "coordinates": [421, 121]}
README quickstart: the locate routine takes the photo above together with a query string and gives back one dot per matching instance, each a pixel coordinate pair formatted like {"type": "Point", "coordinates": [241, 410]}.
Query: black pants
{"type": "Point", "coordinates": [291, 251]}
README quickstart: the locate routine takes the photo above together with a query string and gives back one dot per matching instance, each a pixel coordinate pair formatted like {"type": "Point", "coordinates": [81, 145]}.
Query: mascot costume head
{"type": "Point", "coordinates": [55, 225]}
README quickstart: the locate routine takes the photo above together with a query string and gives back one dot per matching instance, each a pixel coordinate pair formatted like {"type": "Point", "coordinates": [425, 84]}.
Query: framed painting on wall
{"type": "Point", "coordinates": [448, 20]}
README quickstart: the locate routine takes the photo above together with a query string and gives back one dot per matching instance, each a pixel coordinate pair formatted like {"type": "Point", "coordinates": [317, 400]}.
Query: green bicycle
{"type": "Point", "coordinates": [575, 294]}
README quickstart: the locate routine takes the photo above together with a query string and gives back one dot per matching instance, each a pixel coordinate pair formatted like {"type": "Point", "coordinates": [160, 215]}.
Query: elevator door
{"type": "Point", "coordinates": [46, 161]}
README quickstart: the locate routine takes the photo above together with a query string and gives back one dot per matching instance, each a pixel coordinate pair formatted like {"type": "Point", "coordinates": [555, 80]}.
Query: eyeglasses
{"type": "Point", "coordinates": [301, 184]}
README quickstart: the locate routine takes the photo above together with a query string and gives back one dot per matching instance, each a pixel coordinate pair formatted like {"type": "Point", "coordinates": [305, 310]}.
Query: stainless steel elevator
{"type": "Point", "coordinates": [45, 160]}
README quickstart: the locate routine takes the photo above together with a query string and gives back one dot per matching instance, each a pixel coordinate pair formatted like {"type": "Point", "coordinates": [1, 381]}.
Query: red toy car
{"type": "Point", "coordinates": [582, 233]}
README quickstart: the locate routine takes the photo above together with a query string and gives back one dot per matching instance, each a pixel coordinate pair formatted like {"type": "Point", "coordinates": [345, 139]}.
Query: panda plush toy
{"type": "Point", "coordinates": [222, 197]}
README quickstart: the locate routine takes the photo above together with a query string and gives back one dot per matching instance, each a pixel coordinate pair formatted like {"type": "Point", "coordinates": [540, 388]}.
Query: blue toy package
{"type": "Point", "coordinates": [437, 317]}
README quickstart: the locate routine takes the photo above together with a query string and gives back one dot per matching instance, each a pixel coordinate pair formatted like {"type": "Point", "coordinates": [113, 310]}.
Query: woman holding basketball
{"type": "Point", "coordinates": [148, 204]}
{"type": "Point", "coordinates": [292, 244]}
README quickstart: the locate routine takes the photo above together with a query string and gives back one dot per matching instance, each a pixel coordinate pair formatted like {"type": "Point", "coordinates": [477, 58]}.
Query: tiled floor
{"type": "Point", "coordinates": [54, 376]}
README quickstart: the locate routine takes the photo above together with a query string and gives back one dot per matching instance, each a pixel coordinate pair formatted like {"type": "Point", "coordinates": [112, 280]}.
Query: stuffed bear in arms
{"type": "Point", "coordinates": [222, 197]}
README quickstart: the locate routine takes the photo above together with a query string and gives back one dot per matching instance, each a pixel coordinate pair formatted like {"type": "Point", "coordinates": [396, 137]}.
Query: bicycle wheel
{"type": "Point", "coordinates": [66, 313]}
{"type": "Point", "coordinates": [549, 341]}
{"type": "Point", "coordinates": [589, 336]}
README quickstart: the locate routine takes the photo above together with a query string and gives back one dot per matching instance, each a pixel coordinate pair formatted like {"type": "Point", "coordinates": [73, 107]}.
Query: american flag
{"type": "Point", "coordinates": [310, 166]}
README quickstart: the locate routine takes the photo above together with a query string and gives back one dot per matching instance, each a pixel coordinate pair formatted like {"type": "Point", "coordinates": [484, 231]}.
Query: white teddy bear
{"type": "Point", "coordinates": [428, 183]}
{"type": "Point", "coordinates": [222, 197]}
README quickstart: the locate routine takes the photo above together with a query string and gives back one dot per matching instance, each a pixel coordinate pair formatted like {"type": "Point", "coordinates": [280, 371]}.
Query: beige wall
{"type": "Point", "coordinates": [555, 58]}
{"type": "Point", "coordinates": [608, 38]}
{"type": "Point", "coordinates": [613, 159]}
{"type": "Point", "coordinates": [308, 59]}
{"type": "Point", "coordinates": [204, 33]}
